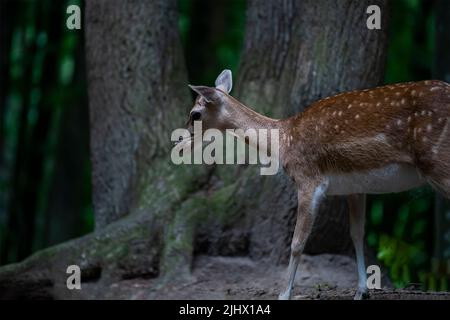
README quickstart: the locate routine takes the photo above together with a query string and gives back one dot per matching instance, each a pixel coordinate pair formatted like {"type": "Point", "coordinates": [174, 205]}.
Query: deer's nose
{"type": "Point", "coordinates": [195, 115]}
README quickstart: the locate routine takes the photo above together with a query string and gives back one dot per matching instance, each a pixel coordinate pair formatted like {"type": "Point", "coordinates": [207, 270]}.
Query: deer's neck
{"type": "Point", "coordinates": [264, 130]}
{"type": "Point", "coordinates": [245, 118]}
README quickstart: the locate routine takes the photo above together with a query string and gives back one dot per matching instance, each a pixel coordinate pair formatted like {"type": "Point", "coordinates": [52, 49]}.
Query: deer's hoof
{"type": "Point", "coordinates": [284, 296]}
{"type": "Point", "coordinates": [361, 294]}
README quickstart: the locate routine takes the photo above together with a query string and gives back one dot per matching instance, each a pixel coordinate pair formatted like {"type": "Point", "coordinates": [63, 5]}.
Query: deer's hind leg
{"type": "Point", "coordinates": [441, 183]}
{"type": "Point", "coordinates": [357, 208]}
{"type": "Point", "coordinates": [437, 174]}
{"type": "Point", "coordinates": [434, 160]}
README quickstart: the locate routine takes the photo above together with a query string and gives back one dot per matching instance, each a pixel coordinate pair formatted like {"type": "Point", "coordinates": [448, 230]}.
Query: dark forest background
{"type": "Point", "coordinates": [45, 167]}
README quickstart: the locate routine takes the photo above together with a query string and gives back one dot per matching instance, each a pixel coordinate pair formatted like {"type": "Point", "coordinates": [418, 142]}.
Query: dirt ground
{"type": "Point", "coordinates": [232, 278]}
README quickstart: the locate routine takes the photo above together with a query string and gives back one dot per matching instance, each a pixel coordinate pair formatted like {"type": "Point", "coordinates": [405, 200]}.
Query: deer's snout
{"type": "Point", "coordinates": [195, 115]}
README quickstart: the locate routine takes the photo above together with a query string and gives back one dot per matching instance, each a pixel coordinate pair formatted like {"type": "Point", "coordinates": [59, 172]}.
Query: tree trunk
{"type": "Point", "coordinates": [138, 95]}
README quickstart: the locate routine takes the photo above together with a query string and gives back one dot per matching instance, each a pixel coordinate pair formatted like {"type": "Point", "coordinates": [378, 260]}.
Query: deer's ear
{"type": "Point", "coordinates": [224, 81]}
{"type": "Point", "coordinates": [208, 93]}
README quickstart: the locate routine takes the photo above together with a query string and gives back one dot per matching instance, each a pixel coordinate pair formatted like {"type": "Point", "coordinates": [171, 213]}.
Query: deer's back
{"type": "Point", "coordinates": [373, 128]}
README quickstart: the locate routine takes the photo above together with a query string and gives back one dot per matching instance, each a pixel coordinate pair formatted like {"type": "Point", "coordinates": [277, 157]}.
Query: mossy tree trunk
{"type": "Point", "coordinates": [137, 93]}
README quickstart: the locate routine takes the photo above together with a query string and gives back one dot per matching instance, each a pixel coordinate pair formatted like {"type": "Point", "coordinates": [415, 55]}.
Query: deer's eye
{"type": "Point", "coordinates": [195, 115]}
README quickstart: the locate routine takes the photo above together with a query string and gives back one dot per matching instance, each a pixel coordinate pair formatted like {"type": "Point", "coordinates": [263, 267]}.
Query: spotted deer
{"type": "Point", "coordinates": [381, 140]}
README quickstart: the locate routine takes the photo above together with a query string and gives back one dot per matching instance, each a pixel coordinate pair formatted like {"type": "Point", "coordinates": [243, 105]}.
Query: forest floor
{"type": "Point", "coordinates": [232, 278]}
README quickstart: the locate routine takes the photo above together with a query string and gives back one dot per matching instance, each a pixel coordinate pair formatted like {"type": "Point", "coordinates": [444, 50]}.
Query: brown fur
{"type": "Point", "coordinates": [360, 130]}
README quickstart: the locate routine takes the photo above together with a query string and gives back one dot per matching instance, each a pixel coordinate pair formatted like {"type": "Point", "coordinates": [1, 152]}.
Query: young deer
{"type": "Point", "coordinates": [382, 140]}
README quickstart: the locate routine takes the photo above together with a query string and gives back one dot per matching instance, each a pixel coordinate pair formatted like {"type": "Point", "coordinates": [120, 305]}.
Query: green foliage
{"type": "Point", "coordinates": [399, 256]}
{"type": "Point", "coordinates": [43, 60]}
{"type": "Point", "coordinates": [397, 227]}
{"type": "Point", "coordinates": [411, 41]}
{"type": "Point", "coordinates": [211, 45]}
{"type": "Point", "coordinates": [400, 226]}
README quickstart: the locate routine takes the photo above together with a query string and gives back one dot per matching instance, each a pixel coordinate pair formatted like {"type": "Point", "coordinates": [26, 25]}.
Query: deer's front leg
{"type": "Point", "coordinates": [309, 199]}
{"type": "Point", "coordinates": [356, 206]}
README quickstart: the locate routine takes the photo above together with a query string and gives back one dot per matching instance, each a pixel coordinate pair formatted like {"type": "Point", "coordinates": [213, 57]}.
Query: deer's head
{"type": "Point", "coordinates": [211, 107]}
{"type": "Point", "coordinates": [212, 104]}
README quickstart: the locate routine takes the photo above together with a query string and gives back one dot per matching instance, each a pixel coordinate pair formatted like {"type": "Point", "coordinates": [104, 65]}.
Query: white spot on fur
{"type": "Point", "coordinates": [381, 137]}
{"type": "Point", "coordinates": [357, 117]}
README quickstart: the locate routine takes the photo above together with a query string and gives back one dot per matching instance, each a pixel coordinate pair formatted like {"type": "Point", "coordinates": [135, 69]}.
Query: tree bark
{"type": "Point", "coordinates": [138, 95]}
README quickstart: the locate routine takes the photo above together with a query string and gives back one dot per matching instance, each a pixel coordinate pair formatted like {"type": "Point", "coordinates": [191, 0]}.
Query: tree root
{"type": "Point", "coordinates": [126, 249]}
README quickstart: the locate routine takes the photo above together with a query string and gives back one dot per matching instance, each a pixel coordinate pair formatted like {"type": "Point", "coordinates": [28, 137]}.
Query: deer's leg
{"type": "Point", "coordinates": [357, 204]}
{"type": "Point", "coordinates": [308, 203]}
{"type": "Point", "coordinates": [440, 180]}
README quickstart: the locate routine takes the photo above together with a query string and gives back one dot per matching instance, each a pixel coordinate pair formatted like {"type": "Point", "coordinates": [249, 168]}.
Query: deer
{"type": "Point", "coordinates": [386, 139]}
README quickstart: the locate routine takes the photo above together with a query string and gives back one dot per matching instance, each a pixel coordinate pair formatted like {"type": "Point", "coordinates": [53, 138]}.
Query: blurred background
{"type": "Point", "coordinates": [45, 170]}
